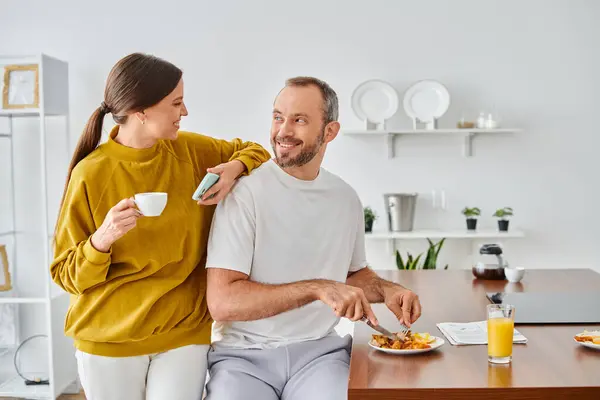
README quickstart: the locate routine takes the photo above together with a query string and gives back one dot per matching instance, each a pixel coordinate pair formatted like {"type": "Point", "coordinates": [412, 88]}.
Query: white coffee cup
{"type": "Point", "coordinates": [151, 204]}
{"type": "Point", "coordinates": [514, 274]}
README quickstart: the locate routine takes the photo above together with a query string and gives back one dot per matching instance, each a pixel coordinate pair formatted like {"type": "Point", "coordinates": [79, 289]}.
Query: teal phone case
{"type": "Point", "coordinates": [209, 180]}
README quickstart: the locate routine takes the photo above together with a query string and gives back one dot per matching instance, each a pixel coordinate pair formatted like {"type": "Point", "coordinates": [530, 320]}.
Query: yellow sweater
{"type": "Point", "coordinates": [147, 294]}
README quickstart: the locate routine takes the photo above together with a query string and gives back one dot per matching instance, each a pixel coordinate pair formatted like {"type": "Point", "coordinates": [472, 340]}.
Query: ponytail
{"type": "Point", "coordinates": [87, 143]}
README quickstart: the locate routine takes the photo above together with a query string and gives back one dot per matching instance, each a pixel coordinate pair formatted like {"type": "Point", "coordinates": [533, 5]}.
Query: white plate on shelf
{"type": "Point", "coordinates": [439, 342]}
{"type": "Point", "coordinates": [375, 101]}
{"type": "Point", "coordinates": [426, 100]}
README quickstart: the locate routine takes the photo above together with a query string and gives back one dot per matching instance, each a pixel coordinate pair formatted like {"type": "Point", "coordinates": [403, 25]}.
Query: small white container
{"type": "Point", "coordinates": [514, 274]}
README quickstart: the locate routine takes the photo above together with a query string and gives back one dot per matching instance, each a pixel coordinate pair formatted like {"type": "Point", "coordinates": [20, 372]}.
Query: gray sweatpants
{"type": "Point", "coordinates": [312, 370]}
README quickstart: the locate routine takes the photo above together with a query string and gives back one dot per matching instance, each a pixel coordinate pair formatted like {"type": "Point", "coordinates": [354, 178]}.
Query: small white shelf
{"type": "Point", "coordinates": [450, 234]}
{"type": "Point", "coordinates": [23, 300]}
{"type": "Point", "coordinates": [15, 387]}
{"type": "Point", "coordinates": [467, 135]}
{"type": "Point", "coordinates": [12, 385]}
{"type": "Point", "coordinates": [7, 299]}
{"type": "Point", "coordinates": [12, 233]}
{"type": "Point", "coordinates": [27, 112]}
{"type": "Point", "coordinates": [464, 234]}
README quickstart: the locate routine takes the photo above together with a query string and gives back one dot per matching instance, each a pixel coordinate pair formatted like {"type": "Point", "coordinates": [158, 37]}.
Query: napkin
{"type": "Point", "coordinates": [471, 333]}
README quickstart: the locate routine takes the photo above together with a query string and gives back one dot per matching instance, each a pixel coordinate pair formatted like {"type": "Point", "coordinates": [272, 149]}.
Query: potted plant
{"type": "Point", "coordinates": [430, 261]}
{"type": "Point", "coordinates": [370, 217]}
{"type": "Point", "coordinates": [502, 214]}
{"type": "Point", "coordinates": [471, 214]}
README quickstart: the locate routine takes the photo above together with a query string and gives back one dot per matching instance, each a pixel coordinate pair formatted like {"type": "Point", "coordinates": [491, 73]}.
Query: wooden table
{"type": "Point", "coordinates": [550, 366]}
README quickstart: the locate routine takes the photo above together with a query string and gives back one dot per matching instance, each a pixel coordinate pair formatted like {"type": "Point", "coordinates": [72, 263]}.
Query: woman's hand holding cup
{"type": "Point", "coordinates": [120, 219]}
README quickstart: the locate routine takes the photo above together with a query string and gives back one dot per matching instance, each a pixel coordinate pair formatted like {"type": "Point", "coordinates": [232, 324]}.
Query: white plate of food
{"type": "Point", "coordinates": [589, 339]}
{"type": "Point", "coordinates": [415, 343]}
{"type": "Point", "coordinates": [426, 100]}
{"type": "Point", "coordinates": [375, 101]}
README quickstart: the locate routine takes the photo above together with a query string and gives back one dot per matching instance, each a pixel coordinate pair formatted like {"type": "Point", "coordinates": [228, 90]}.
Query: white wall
{"type": "Point", "coordinates": [537, 62]}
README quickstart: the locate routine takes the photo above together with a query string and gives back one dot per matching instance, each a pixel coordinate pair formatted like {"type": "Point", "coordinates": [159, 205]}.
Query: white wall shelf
{"type": "Point", "coordinates": [15, 387]}
{"type": "Point", "coordinates": [466, 135]}
{"type": "Point", "coordinates": [463, 234]}
{"type": "Point", "coordinates": [48, 307]}
{"type": "Point", "coordinates": [27, 112]}
{"type": "Point", "coordinates": [23, 300]}
{"type": "Point", "coordinates": [12, 384]}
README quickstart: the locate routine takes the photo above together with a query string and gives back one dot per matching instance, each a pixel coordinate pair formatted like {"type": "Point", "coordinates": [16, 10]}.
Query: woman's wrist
{"type": "Point", "coordinates": [240, 167]}
{"type": "Point", "coordinates": [98, 244]}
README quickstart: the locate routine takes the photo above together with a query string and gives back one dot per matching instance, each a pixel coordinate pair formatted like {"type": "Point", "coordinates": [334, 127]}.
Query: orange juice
{"type": "Point", "coordinates": [500, 337]}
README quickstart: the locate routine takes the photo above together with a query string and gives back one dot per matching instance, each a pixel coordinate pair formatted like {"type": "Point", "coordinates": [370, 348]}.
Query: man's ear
{"type": "Point", "coordinates": [331, 131]}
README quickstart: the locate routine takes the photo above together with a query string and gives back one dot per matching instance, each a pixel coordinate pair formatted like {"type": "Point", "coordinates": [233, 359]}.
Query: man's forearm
{"type": "Point", "coordinates": [249, 301]}
{"type": "Point", "coordinates": [372, 285]}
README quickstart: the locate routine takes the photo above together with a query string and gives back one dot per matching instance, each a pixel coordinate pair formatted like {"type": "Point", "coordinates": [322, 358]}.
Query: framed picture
{"type": "Point", "coordinates": [5, 283]}
{"type": "Point", "coordinates": [21, 86]}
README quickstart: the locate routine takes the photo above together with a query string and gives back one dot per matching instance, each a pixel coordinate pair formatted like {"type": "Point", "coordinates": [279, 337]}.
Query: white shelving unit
{"type": "Point", "coordinates": [53, 89]}
{"type": "Point", "coordinates": [466, 135]}
{"type": "Point", "coordinates": [391, 237]}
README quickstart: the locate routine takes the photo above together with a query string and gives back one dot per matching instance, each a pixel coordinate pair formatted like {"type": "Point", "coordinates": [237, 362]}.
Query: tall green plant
{"type": "Point", "coordinates": [430, 261]}
{"type": "Point", "coordinates": [432, 254]}
{"type": "Point", "coordinates": [410, 263]}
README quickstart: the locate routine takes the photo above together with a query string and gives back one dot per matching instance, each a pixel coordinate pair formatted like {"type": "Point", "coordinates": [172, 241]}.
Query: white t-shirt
{"type": "Point", "coordinates": [278, 229]}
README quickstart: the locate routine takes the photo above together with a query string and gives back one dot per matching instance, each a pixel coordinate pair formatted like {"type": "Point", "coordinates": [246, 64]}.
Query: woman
{"type": "Point", "coordinates": [139, 316]}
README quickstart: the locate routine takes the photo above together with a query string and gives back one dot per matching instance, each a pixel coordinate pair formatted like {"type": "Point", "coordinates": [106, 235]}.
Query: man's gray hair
{"type": "Point", "coordinates": [330, 99]}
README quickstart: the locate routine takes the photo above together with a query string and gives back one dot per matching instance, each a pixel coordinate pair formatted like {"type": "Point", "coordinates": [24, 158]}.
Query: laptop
{"type": "Point", "coordinates": [552, 307]}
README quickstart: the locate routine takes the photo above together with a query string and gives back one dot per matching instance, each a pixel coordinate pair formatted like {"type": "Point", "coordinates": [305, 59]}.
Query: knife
{"type": "Point", "coordinates": [385, 332]}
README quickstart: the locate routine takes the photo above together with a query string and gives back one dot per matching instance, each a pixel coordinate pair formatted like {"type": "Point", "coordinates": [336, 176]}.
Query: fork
{"type": "Point", "coordinates": [401, 335]}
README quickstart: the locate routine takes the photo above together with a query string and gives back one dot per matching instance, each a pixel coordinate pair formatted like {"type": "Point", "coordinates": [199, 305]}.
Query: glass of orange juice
{"type": "Point", "coordinates": [500, 330]}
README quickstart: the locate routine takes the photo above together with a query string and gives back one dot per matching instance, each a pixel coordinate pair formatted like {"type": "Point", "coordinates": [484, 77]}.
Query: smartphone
{"type": "Point", "coordinates": [209, 180]}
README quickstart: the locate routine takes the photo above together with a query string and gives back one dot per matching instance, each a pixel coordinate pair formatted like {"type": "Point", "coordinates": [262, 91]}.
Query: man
{"type": "Point", "coordinates": [286, 260]}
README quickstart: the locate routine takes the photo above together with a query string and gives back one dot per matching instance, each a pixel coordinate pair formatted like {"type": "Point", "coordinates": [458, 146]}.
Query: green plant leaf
{"type": "Point", "coordinates": [469, 212]}
{"type": "Point", "coordinates": [427, 260]}
{"type": "Point", "coordinates": [370, 215]}
{"type": "Point", "coordinates": [439, 244]}
{"type": "Point", "coordinates": [430, 259]}
{"type": "Point", "coordinates": [416, 261]}
{"type": "Point", "coordinates": [399, 261]}
{"type": "Point", "coordinates": [501, 212]}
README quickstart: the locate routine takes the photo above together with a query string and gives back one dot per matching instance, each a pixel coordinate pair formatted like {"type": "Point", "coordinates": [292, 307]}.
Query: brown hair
{"type": "Point", "coordinates": [136, 82]}
{"type": "Point", "coordinates": [330, 100]}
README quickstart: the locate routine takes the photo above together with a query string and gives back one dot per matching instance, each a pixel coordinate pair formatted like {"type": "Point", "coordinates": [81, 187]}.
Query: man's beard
{"type": "Point", "coordinates": [306, 154]}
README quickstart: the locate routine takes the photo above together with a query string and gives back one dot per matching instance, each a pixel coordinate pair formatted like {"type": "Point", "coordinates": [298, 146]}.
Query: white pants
{"type": "Point", "coordinates": [177, 374]}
